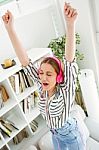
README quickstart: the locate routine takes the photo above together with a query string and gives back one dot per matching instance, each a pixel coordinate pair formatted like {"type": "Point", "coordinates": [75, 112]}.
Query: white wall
{"type": "Point", "coordinates": [86, 28]}
{"type": "Point", "coordinates": [35, 29]}
{"type": "Point", "coordinates": [41, 25]}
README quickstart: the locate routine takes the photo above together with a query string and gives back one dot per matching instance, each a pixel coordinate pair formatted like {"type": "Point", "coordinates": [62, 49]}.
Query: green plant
{"type": "Point", "coordinates": [58, 47]}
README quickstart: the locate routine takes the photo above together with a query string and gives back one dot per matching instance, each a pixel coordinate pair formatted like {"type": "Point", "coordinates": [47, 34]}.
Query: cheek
{"type": "Point", "coordinates": [52, 80]}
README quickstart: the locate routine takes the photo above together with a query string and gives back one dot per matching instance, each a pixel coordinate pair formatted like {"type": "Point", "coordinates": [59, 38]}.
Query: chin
{"type": "Point", "coordinates": [46, 89]}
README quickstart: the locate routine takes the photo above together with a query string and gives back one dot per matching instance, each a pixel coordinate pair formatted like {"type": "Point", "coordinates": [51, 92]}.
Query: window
{"type": "Point", "coordinates": [96, 15]}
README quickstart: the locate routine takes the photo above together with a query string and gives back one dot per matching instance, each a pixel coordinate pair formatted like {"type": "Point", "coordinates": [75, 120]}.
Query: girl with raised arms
{"type": "Point", "coordinates": [56, 85]}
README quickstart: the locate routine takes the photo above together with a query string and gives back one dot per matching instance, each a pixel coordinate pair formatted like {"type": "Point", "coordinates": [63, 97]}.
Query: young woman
{"type": "Point", "coordinates": [56, 87]}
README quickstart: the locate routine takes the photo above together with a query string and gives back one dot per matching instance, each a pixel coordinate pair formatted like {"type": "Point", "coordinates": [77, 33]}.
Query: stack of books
{"type": "Point", "coordinates": [20, 81]}
{"type": "Point", "coordinates": [28, 103]}
{"type": "Point", "coordinates": [6, 127]}
{"type": "Point", "coordinates": [34, 125]}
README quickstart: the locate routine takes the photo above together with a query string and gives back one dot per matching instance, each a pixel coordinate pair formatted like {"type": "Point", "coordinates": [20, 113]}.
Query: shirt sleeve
{"type": "Point", "coordinates": [70, 77]}
{"type": "Point", "coordinates": [31, 71]}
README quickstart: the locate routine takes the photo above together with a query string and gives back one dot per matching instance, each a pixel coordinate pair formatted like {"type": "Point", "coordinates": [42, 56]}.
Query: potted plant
{"type": "Point", "coordinates": [58, 48]}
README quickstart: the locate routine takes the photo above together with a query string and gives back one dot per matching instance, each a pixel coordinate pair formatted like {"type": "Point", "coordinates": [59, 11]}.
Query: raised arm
{"type": "Point", "coordinates": [19, 49]}
{"type": "Point", "coordinates": [70, 18]}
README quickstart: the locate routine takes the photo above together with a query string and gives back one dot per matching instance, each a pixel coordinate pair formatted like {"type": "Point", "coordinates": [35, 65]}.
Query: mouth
{"type": "Point", "coordinates": [45, 84]}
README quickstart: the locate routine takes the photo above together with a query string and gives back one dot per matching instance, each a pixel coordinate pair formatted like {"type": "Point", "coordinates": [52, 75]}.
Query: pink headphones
{"type": "Point", "coordinates": [60, 76]}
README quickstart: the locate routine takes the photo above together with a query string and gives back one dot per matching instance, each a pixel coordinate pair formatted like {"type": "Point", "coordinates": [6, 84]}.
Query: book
{"type": "Point", "coordinates": [16, 80]}
{"type": "Point", "coordinates": [21, 83]}
{"type": "Point", "coordinates": [34, 122]}
{"type": "Point", "coordinates": [32, 100]}
{"type": "Point", "coordinates": [25, 107]}
{"type": "Point", "coordinates": [5, 130]}
{"type": "Point", "coordinates": [34, 125]}
{"type": "Point", "coordinates": [7, 126]}
{"type": "Point", "coordinates": [29, 104]}
{"type": "Point", "coordinates": [12, 81]}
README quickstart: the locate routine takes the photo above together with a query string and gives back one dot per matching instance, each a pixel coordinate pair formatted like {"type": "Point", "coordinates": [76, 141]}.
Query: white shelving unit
{"type": "Point", "coordinates": [12, 108]}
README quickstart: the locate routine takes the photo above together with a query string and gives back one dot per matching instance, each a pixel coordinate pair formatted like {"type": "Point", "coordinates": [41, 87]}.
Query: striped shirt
{"type": "Point", "coordinates": [56, 110]}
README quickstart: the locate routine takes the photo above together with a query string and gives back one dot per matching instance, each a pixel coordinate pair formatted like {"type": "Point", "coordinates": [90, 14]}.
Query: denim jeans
{"type": "Point", "coordinates": [69, 137]}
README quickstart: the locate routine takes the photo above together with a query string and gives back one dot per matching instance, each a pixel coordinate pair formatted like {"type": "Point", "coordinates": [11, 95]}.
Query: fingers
{"type": "Point", "coordinates": [7, 16]}
{"type": "Point", "coordinates": [74, 12]}
{"type": "Point", "coordinates": [4, 19]}
{"type": "Point", "coordinates": [9, 12]}
{"type": "Point", "coordinates": [69, 11]}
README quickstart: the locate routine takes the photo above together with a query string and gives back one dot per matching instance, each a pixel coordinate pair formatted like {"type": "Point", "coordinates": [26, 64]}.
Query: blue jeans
{"type": "Point", "coordinates": [68, 137]}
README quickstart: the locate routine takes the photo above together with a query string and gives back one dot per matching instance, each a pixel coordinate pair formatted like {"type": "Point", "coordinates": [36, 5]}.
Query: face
{"type": "Point", "coordinates": [47, 76]}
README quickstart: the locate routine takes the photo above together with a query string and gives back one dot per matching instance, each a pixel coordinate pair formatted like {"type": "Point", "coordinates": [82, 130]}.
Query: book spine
{"type": "Point", "coordinates": [32, 100]}
{"type": "Point", "coordinates": [17, 90]}
{"type": "Point", "coordinates": [25, 105]}
{"type": "Point", "coordinates": [29, 104]}
{"type": "Point", "coordinates": [5, 130]}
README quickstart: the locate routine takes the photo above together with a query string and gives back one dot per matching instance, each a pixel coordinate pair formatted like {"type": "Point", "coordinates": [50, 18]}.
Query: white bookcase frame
{"type": "Point", "coordinates": [12, 109]}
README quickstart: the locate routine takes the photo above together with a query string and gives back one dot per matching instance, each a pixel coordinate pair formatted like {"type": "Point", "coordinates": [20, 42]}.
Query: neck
{"type": "Point", "coordinates": [52, 92]}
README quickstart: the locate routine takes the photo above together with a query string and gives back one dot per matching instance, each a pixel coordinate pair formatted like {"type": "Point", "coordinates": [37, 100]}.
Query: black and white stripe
{"type": "Point", "coordinates": [59, 105]}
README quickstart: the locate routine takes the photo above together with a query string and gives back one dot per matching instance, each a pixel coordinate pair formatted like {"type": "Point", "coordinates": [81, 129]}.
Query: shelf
{"type": "Point", "coordinates": [26, 93]}
{"type": "Point", "coordinates": [33, 114]}
{"type": "Point", "coordinates": [5, 73]}
{"type": "Point", "coordinates": [12, 107]}
{"type": "Point", "coordinates": [26, 142]}
{"type": "Point", "coordinates": [41, 125]}
{"type": "Point", "coordinates": [35, 53]}
{"type": "Point", "coordinates": [1, 143]}
{"type": "Point", "coordinates": [15, 115]}
{"type": "Point", "coordinates": [21, 126]}
{"type": "Point", "coordinates": [8, 105]}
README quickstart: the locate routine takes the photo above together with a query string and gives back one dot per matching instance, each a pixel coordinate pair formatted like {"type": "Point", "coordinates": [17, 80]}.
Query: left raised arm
{"type": "Point", "coordinates": [70, 17]}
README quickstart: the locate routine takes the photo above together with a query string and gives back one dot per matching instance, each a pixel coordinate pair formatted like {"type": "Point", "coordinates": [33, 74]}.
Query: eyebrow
{"type": "Point", "coordinates": [47, 71]}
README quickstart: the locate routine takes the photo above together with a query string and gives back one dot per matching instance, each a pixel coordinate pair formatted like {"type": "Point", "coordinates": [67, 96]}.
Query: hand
{"type": "Point", "coordinates": [70, 14]}
{"type": "Point", "coordinates": [8, 19]}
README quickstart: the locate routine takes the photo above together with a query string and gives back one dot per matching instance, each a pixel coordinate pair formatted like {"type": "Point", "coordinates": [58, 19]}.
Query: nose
{"type": "Point", "coordinates": [43, 77]}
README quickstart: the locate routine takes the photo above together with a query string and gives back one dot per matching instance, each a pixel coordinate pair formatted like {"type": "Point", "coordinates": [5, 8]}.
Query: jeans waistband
{"type": "Point", "coordinates": [70, 123]}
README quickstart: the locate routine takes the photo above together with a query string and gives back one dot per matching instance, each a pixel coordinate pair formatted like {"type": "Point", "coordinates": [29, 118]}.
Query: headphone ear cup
{"type": "Point", "coordinates": [59, 78]}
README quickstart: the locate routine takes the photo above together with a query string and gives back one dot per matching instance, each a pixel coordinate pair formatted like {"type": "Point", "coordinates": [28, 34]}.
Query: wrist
{"type": "Point", "coordinates": [70, 25]}
{"type": "Point", "coordinates": [70, 29]}
{"type": "Point", "coordinates": [10, 29]}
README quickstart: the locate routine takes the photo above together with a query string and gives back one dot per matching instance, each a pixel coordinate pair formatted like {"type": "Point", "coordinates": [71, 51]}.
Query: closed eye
{"type": "Point", "coordinates": [49, 75]}
{"type": "Point", "coordinates": [41, 73]}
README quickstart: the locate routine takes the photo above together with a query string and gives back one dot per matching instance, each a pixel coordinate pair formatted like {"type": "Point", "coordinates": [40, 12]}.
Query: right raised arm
{"type": "Point", "coordinates": [19, 49]}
